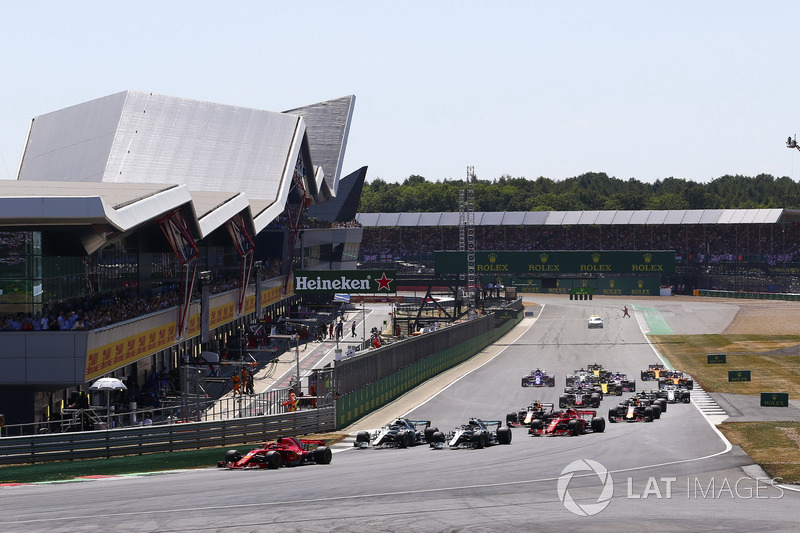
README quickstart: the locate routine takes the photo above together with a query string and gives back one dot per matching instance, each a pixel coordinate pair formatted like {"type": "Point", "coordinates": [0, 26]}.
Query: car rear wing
{"type": "Point", "coordinates": [491, 423]}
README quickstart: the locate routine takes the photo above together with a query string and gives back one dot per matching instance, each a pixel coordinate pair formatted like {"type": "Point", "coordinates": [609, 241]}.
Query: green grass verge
{"type": "Point", "coordinates": [769, 373]}
{"type": "Point", "coordinates": [66, 470]}
{"type": "Point", "coordinates": [775, 446]}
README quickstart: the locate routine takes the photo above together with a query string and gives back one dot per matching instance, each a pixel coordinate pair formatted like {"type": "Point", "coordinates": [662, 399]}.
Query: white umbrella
{"type": "Point", "coordinates": [108, 384]}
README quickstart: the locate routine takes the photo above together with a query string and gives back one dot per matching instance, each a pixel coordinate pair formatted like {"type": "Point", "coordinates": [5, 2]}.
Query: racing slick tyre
{"type": "Point", "coordinates": [648, 414]}
{"type": "Point", "coordinates": [512, 418]}
{"type": "Point", "coordinates": [361, 436]}
{"type": "Point", "coordinates": [273, 460]}
{"type": "Point", "coordinates": [598, 424]}
{"type": "Point", "coordinates": [656, 408]}
{"type": "Point", "coordinates": [404, 440]}
{"type": "Point", "coordinates": [429, 431]}
{"type": "Point", "coordinates": [536, 423]}
{"type": "Point", "coordinates": [663, 403]}
{"type": "Point", "coordinates": [480, 440]}
{"type": "Point", "coordinates": [504, 435]}
{"type": "Point", "coordinates": [612, 415]}
{"type": "Point", "coordinates": [687, 398]}
{"type": "Point", "coordinates": [231, 456]}
{"type": "Point", "coordinates": [562, 402]}
{"type": "Point", "coordinates": [595, 399]}
{"type": "Point", "coordinates": [323, 455]}
{"type": "Point", "coordinates": [437, 438]}
{"type": "Point", "coordinates": [574, 427]}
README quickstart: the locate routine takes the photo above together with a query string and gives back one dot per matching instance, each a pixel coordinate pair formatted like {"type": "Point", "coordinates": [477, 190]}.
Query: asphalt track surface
{"type": "Point", "coordinates": [674, 474]}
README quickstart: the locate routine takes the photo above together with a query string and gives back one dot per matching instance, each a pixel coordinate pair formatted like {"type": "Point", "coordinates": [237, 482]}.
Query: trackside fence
{"type": "Point", "coordinates": [162, 438]}
{"type": "Point", "coordinates": [368, 382]}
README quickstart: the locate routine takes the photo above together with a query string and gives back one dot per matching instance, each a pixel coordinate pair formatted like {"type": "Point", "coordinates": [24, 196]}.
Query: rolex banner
{"type": "Point", "coordinates": [345, 281]}
{"type": "Point", "coordinates": [553, 263]}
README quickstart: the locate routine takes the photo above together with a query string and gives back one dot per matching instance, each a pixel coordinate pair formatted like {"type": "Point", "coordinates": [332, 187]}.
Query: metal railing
{"type": "Point", "coordinates": [162, 438]}
{"type": "Point", "coordinates": [99, 418]}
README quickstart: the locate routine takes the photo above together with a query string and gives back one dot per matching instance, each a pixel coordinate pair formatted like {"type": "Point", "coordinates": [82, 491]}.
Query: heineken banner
{"type": "Point", "coordinates": [552, 263]}
{"type": "Point", "coordinates": [345, 281]}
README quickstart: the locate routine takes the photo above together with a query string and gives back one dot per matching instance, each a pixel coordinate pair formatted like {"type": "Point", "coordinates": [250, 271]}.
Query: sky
{"type": "Point", "coordinates": [523, 89]}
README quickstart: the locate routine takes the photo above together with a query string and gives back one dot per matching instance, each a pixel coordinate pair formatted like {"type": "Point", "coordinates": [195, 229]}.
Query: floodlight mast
{"type": "Point", "coordinates": [792, 142]}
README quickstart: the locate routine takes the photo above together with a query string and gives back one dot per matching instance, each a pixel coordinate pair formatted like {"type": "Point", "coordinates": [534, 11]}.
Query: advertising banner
{"type": "Point", "coordinates": [345, 281]}
{"type": "Point", "coordinates": [556, 262]}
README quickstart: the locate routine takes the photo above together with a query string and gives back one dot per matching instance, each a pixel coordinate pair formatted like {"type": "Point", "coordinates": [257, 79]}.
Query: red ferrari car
{"type": "Point", "coordinates": [569, 422]}
{"type": "Point", "coordinates": [285, 451]}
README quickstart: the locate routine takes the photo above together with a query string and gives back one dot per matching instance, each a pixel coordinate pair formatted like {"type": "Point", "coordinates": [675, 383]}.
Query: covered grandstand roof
{"type": "Point", "coordinates": [343, 207]}
{"type": "Point", "coordinates": [578, 218]}
{"type": "Point", "coordinates": [327, 128]}
{"type": "Point", "coordinates": [124, 159]}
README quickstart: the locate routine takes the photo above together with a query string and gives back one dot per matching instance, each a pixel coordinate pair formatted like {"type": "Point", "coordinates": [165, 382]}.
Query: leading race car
{"type": "Point", "coordinates": [285, 451]}
{"type": "Point", "coordinates": [568, 422]}
{"type": "Point", "coordinates": [479, 433]}
{"type": "Point", "coordinates": [399, 433]}
{"type": "Point", "coordinates": [538, 378]}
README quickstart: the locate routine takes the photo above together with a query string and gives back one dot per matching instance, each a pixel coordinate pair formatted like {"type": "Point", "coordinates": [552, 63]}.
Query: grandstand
{"type": "Point", "coordinates": [143, 229]}
{"type": "Point", "coordinates": [752, 250]}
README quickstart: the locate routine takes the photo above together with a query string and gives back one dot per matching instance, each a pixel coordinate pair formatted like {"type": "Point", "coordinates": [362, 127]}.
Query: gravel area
{"type": "Point", "coordinates": [758, 317]}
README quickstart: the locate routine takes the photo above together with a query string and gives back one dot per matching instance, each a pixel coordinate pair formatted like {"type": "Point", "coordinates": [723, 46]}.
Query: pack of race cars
{"type": "Point", "coordinates": [577, 414]}
{"type": "Point", "coordinates": [587, 387]}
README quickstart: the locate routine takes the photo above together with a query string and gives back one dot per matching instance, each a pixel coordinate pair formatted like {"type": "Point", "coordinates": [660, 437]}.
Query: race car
{"type": "Point", "coordinates": [569, 422]}
{"type": "Point", "coordinates": [593, 374]}
{"type": "Point", "coordinates": [676, 377]}
{"type": "Point", "coordinates": [579, 397]}
{"type": "Point", "coordinates": [617, 383]}
{"type": "Point", "coordinates": [399, 433]}
{"type": "Point", "coordinates": [479, 433]}
{"type": "Point", "coordinates": [634, 409]}
{"type": "Point", "coordinates": [536, 410]}
{"type": "Point", "coordinates": [674, 394]}
{"type": "Point", "coordinates": [538, 378]}
{"type": "Point", "coordinates": [598, 371]}
{"type": "Point", "coordinates": [653, 372]}
{"type": "Point", "coordinates": [595, 321]}
{"type": "Point", "coordinates": [284, 451]}
{"type": "Point", "coordinates": [658, 403]}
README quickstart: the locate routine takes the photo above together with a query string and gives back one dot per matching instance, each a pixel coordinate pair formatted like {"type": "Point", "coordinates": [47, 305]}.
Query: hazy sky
{"type": "Point", "coordinates": [636, 89]}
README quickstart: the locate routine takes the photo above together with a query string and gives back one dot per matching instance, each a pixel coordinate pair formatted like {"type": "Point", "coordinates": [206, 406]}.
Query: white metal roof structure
{"type": "Point", "coordinates": [580, 218]}
{"type": "Point", "coordinates": [327, 128]}
{"type": "Point", "coordinates": [122, 160]}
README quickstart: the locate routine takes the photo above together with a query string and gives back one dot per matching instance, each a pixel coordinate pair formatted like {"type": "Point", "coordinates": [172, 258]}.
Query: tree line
{"type": "Point", "coordinates": [590, 191]}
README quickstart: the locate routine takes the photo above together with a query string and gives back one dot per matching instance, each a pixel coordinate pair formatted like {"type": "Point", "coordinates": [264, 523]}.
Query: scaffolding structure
{"type": "Point", "coordinates": [466, 241]}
